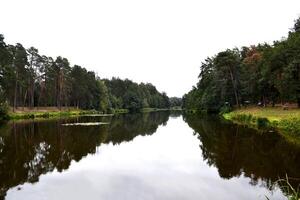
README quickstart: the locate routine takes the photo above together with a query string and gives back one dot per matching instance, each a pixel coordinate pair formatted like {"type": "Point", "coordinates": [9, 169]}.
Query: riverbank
{"type": "Point", "coordinates": [38, 114]}
{"type": "Point", "coordinates": [285, 121]}
{"type": "Point", "coordinates": [65, 112]}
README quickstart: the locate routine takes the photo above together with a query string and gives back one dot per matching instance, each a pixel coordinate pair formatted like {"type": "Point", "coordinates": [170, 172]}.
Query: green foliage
{"type": "Point", "coordinates": [225, 109]}
{"type": "Point", "coordinates": [28, 79]}
{"type": "Point", "coordinates": [175, 102]}
{"type": "Point", "coordinates": [3, 106]}
{"type": "Point", "coordinates": [104, 101]}
{"type": "Point", "coordinates": [3, 111]}
{"type": "Point", "coordinates": [288, 122]}
{"type": "Point", "coordinates": [126, 94]}
{"type": "Point", "coordinates": [290, 125]}
{"type": "Point", "coordinates": [244, 118]}
{"type": "Point", "coordinates": [262, 74]}
{"type": "Point", "coordinates": [132, 102]}
{"type": "Point", "coordinates": [262, 122]}
{"type": "Point", "coordinates": [248, 119]}
{"type": "Point", "coordinates": [50, 114]}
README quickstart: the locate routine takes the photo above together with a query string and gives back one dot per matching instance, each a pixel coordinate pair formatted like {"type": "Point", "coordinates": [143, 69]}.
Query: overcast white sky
{"type": "Point", "coordinates": [157, 41]}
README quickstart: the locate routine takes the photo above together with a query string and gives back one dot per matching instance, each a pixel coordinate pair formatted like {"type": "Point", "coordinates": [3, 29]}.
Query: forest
{"type": "Point", "coordinates": [28, 79]}
{"type": "Point", "coordinates": [263, 74]}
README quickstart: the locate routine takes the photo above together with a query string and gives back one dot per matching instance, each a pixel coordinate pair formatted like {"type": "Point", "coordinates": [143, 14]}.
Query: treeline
{"type": "Point", "coordinates": [261, 75]}
{"type": "Point", "coordinates": [175, 102]}
{"type": "Point", "coordinates": [28, 79]}
{"type": "Point", "coordinates": [132, 96]}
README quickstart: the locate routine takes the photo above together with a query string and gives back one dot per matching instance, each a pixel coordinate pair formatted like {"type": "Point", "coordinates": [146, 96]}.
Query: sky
{"type": "Point", "coordinates": [162, 42]}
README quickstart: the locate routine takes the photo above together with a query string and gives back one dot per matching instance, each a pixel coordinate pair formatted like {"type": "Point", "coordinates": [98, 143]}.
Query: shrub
{"type": "Point", "coordinates": [29, 116]}
{"type": "Point", "coordinates": [225, 109]}
{"type": "Point", "coordinates": [45, 115]}
{"type": "Point", "coordinates": [262, 122]}
{"type": "Point", "coordinates": [4, 111]}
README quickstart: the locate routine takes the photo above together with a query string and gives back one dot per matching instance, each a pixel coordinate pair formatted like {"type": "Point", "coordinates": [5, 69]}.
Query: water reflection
{"type": "Point", "coordinates": [31, 148]}
{"type": "Point", "coordinates": [165, 165]}
{"type": "Point", "coordinates": [126, 160]}
{"type": "Point", "coordinates": [235, 150]}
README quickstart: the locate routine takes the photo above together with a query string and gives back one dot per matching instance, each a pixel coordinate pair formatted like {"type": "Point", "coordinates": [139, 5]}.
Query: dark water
{"type": "Point", "coordinates": [143, 156]}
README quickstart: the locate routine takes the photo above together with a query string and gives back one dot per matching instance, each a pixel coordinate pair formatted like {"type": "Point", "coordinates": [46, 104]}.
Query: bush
{"type": "Point", "coordinates": [225, 109]}
{"type": "Point", "coordinates": [4, 111]}
{"type": "Point", "coordinates": [45, 115]}
{"type": "Point", "coordinates": [29, 116]}
{"type": "Point", "coordinates": [262, 122]}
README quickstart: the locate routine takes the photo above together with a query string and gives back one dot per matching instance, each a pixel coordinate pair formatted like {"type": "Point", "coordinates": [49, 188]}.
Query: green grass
{"type": "Point", "coordinates": [120, 111]}
{"type": "Point", "coordinates": [48, 114]}
{"type": "Point", "coordinates": [287, 121]}
{"type": "Point", "coordinates": [272, 114]}
{"type": "Point", "coordinates": [66, 113]}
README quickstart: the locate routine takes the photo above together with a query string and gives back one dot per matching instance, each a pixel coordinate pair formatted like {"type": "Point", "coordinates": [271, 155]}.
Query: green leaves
{"type": "Point", "coordinates": [262, 74]}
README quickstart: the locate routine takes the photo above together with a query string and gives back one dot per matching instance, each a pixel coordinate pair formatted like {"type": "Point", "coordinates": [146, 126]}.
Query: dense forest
{"type": "Point", "coordinates": [28, 79]}
{"type": "Point", "coordinates": [132, 96]}
{"type": "Point", "coordinates": [264, 74]}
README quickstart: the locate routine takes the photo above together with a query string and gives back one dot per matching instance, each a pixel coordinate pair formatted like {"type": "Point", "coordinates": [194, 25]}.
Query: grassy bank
{"type": "Point", "coordinates": [53, 113]}
{"type": "Point", "coordinates": [48, 114]}
{"type": "Point", "coordinates": [120, 111]}
{"type": "Point", "coordinates": [286, 121]}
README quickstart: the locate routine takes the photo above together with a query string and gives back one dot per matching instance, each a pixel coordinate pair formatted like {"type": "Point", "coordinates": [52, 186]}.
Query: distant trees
{"type": "Point", "coordinates": [28, 79]}
{"type": "Point", "coordinates": [258, 74]}
{"type": "Point", "coordinates": [132, 96]}
{"type": "Point", "coordinates": [175, 102]}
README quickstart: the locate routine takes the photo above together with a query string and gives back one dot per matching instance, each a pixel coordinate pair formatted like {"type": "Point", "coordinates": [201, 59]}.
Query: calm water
{"type": "Point", "coordinates": [142, 156]}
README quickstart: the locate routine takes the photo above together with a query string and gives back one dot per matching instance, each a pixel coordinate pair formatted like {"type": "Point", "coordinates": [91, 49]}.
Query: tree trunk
{"type": "Point", "coordinates": [15, 95]}
{"type": "Point", "coordinates": [264, 100]}
{"type": "Point", "coordinates": [25, 97]}
{"type": "Point", "coordinates": [32, 94]}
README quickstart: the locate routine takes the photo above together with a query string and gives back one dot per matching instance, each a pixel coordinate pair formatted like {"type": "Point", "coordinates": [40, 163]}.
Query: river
{"type": "Point", "coordinates": [159, 155]}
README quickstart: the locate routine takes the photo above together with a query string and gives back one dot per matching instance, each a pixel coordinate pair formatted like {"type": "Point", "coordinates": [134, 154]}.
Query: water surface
{"type": "Point", "coordinates": [143, 156]}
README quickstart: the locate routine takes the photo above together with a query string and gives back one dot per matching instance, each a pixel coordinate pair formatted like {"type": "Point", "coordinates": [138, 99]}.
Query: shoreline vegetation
{"type": "Point", "coordinates": [44, 113]}
{"type": "Point", "coordinates": [256, 85]}
{"type": "Point", "coordinates": [30, 81]}
{"type": "Point", "coordinates": [285, 121]}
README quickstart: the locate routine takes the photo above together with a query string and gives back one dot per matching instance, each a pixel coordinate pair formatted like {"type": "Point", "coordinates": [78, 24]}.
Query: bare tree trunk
{"type": "Point", "coordinates": [15, 95]}
{"type": "Point", "coordinates": [32, 85]}
{"type": "Point", "coordinates": [60, 88]}
{"type": "Point", "coordinates": [32, 94]}
{"type": "Point", "coordinates": [25, 97]}
{"type": "Point", "coordinates": [264, 100]}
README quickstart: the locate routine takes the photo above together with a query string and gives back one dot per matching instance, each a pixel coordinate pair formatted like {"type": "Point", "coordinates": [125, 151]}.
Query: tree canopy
{"type": "Point", "coordinates": [260, 74]}
{"type": "Point", "coordinates": [29, 79]}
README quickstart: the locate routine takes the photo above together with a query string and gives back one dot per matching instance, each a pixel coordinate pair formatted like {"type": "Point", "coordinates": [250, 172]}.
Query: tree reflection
{"type": "Point", "coordinates": [235, 150]}
{"type": "Point", "coordinates": [31, 148]}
